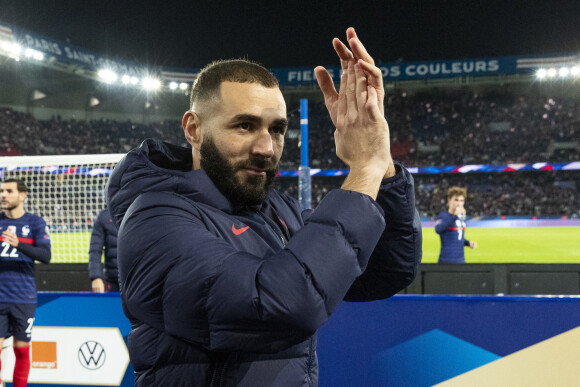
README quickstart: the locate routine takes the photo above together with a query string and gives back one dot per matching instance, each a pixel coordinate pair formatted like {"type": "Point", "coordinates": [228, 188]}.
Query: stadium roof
{"type": "Point", "coordinates": [298, 33]}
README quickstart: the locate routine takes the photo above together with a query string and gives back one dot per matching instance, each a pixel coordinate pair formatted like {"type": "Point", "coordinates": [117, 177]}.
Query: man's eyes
{"type": "Point", "coordinates": [279, 129]}
{"type": "Point", "coordinates": [249, 126]}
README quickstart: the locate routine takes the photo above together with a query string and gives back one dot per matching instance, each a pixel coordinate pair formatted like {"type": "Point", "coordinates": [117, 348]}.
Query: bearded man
{"type": "Point", "coordinates": [226, 281]}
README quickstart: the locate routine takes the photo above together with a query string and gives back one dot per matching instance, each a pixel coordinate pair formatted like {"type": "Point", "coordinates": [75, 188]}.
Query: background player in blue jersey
{"type": "Point", "coordinates": [451, 228]}
{"type": "Point", "coordinates": [24, 239]}
{"type": "Point", "coordinates": [104, 237]}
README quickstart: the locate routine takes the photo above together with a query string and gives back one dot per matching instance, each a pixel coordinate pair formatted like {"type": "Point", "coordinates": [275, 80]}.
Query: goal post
{"type": "Point", "coordinates": [68, 192]}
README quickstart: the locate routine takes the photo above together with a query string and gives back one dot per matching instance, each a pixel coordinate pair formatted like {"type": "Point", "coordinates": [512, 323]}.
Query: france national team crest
{"type": "Point", "coordinates": [25, 230]}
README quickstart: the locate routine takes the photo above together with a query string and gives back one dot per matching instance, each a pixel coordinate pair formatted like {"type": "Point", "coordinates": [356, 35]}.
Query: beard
{"type": "Point", "coordinates": [223, 174]}
{"type": "Point", "coordinates": [8, 206]}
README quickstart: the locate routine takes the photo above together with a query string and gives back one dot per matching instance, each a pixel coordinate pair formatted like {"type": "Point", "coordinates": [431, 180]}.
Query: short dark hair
{"type": "Point", "coordinates": [210, 78]}
{"type": "Point", "coordinates": [20, 184]}
{"type": "Point", "coordinates": [456, 191]}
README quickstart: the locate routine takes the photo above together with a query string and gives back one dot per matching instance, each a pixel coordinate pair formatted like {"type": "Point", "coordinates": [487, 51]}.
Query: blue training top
{"type": "Point", "coordinates": [17, 283]}
{"type": "Point", "coordinates": [451, 230]}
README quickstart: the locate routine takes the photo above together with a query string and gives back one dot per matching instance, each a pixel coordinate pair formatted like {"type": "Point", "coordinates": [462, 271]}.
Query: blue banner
{"type": "Point", "coordinates": [407, 340]}
{"type": "Point", "coordinates": [407, 71]}
{"type": "Point", "coordinates": [410, 71]}
{"type": "Point", "coordinates": [421, 340]}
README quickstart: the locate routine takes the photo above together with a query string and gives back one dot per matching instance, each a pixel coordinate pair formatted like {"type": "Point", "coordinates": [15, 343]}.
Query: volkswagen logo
{"type": "Point", "coordinates": [92, 355]}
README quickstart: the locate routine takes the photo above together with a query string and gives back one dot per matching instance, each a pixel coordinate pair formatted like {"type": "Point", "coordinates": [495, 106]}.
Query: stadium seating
{"type": "Point", "coordinates": [451, 127]}
{"type": "Point", "coordinates": [445, 128]}
{"type": "Point", "coordinates": [540, 194]}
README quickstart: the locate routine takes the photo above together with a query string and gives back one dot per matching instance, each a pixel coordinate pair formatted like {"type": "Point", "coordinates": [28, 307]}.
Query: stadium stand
{"type": "Point", "coordinates": [435, 127]}
{"type": "Point", "coordinates": [22, 134]}
{"type": "Point", "coordinates": [540, 194]}
{"type": "Point", "coordinates": [463, 127]}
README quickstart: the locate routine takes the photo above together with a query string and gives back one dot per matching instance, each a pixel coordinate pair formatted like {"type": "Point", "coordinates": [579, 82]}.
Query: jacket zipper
{"type": "Point", "coordinates": [223, 374]}
{"type": "Point", "coordinates": [213, 376]}
{"type": "Point", "coordinates": [274, 228]}
{"type": "Point", "coordinates": [218, 377]}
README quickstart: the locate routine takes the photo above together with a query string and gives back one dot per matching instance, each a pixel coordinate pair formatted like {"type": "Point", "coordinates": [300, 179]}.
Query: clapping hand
{"type": "Point", "coordinates": [357, 110]}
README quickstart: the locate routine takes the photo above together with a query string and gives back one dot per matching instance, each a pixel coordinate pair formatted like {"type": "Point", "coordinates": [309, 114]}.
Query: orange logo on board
{"type": "Point", "coordinates": [43, 354]}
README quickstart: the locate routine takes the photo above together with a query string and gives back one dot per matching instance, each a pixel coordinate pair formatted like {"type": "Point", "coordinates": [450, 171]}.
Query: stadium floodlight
{"type": "Point", "coordinates": [541, 74]}
{"type": "Point", "coordinates": [134, 80]}
{"type": "Point", "coordinates": [552, 73]}
{"type": "Point", "coordinates": [575, 71]}
{"type": "Point", "coordinates": [34, 54]}
{"type": "Point", "coordinates": [126, 79]}
{"type": "Point", "coordinates": [16, 49]}
{"type": "Point", "coordinates": [107, 76]}
{"type": "Point", "coordinates": [6, 46]}
{"type": "Point", "coordinates": [563, 72]}
{"type": "Point", "coordinates": [13, 49]}
{"type": "Point", "coordinates": [173, 85]}
{"type": "Point", "coordinates": [151, 83]}
{"type": "Point", "coordinates": [183, 86]}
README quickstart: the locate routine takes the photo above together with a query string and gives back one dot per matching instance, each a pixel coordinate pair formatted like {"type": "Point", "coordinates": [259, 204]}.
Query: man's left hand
{"type": "Point", "coordinates": [356, 54]}
{"type": "Point", "coordinates": [10, 238]}
{"type": "Point", "coordinates": [472, 244]}
{"type": "Point", "coordinates": [373, 73]}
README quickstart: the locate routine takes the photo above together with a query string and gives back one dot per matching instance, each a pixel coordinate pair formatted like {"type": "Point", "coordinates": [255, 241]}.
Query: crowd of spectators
{"type": "Point", "coordinates": [545, 193]}
{"type": "Point", "coordinates": [444, 127]}
{"type": "Point", "coordinates": [428, 128]}
{"type": "Point", "coordinates": [19, 133]}
{"type": "Point", "coordinates": [461, 127]}
{"type": "Point", "coordinates": [22, 134]}
{"type": "Point", "coordinates": [76, 199]}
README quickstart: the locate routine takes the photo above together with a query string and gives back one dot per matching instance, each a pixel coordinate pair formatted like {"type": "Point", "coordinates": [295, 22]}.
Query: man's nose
{"type": "Point", "coordinates": [262, 145]}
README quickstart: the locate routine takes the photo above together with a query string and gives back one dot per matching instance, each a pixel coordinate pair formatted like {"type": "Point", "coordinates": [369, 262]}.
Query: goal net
{"type": "Point", "coordinates": [68, 192]}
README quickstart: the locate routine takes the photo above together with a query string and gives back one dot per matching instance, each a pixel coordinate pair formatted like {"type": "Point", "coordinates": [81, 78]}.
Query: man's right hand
{"type": "Point", "coordinates": [98, 285]}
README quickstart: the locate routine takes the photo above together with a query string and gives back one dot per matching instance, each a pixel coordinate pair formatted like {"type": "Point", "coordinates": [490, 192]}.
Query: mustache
{"type": "Point", "coordinates": [266, 165]}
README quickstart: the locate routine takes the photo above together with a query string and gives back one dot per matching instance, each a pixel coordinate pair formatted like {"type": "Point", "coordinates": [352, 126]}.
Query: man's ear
{"type": "Point", "coordinates": [191, 124]}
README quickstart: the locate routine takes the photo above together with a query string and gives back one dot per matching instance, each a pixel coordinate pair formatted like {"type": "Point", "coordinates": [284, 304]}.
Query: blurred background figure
{"type": "Point", "coordinates": [103, 237]}
{"type": "Point", "coordinates": [450, 226]}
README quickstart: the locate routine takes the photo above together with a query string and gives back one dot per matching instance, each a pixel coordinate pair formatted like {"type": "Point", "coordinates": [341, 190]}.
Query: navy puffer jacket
{"type": "Point", "coordinates": [226, 296]}
{"type": "Point", "coordinates": [103, 237]}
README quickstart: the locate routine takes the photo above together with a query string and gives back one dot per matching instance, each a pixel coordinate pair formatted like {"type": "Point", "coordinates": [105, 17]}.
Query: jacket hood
{"type": "Point", "coordinates": [157, 166]}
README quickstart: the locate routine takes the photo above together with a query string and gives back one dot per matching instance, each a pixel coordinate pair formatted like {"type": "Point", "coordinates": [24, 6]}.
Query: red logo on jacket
{"type": "Point", "coordinates": [239, 231]}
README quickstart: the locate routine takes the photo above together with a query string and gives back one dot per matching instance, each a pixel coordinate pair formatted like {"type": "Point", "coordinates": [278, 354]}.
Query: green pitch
{"type": "Point", "coordinates": [513, 245]}
{"type": "Point", "coordinates": [70, 247]}
{"type": "Point", "coordinates": [495, 245]}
